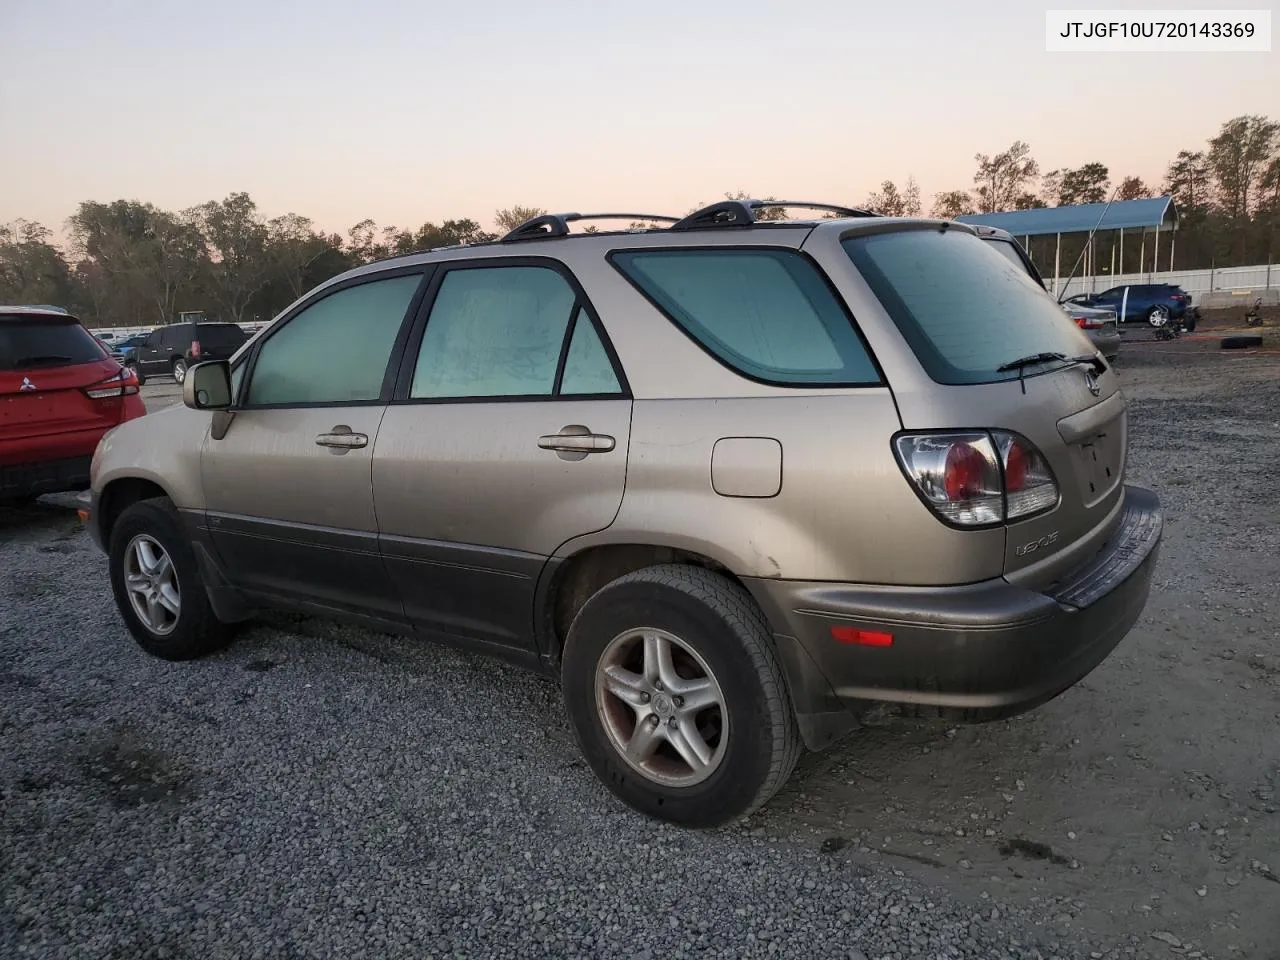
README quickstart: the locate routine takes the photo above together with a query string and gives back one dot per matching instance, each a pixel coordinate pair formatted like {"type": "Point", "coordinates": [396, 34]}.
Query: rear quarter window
{"type": "Point", "coordinates": [964, 309]}
{"type": "Point", "coordinates": [768, 314]}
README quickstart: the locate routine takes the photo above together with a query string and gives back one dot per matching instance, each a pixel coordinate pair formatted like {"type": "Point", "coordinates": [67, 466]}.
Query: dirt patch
{"type": "Point", "coordinates": [131, 773]}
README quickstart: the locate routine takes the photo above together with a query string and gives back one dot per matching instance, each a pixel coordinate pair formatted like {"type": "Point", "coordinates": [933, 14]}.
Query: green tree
{"type": "Point", "coordinates": [236, 240]}
{"type": "Point", "coordinates": [889, 201]}
{"type": "Point", "coordinates": [1187, 180]}
{"type": "Point", "coordinates": [951, 204]}
{"type": "Point", "coordinates": [1002, 179]}
{"type": "Point", "coordinates": [33, 270]}
{"type": "Point", "coordinates": [510, 218]}
{"type": "Point", "coordinates": [1086, 184]}
{"type": "Point", "coordinates": [1238, 157]}
{"type": "Point", "coordinates": [292, 246]}
{"type": "Point", "coordinates": [145, 260]}
{"type": "Point", "coordinates": [1132, 188]}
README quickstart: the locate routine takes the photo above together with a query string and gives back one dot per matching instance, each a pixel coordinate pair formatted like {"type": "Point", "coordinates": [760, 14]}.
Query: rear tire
{"type": "Point", "coordinates": [714, 632]}
{"type": "Point", "coordinates": [157, 584]}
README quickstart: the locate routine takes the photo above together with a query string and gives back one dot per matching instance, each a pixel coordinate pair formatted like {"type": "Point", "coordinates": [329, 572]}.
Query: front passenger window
{"type": "Point", "coordinates": [336, 350]}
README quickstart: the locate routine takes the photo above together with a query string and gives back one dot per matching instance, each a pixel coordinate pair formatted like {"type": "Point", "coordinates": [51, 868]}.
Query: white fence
{"type": "Point", "coordinates": [1195, 282]}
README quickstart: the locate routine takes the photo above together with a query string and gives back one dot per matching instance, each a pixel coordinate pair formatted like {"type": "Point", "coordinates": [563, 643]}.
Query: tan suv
{"type": "Point", "coordinates": [732, 482]}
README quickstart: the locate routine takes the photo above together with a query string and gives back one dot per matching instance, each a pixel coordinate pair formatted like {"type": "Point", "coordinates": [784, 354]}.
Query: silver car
{"type": "Point", "coordinates": [731, 482]}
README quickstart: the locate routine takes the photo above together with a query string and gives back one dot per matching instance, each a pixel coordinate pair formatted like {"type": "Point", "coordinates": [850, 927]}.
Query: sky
{"type": "Point", "coordinates": [412, 111]}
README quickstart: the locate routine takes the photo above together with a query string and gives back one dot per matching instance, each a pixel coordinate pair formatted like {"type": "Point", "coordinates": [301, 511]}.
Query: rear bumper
{"type": "Point", "coordinates": [978, 652]}
{"type": "Point", "coordinates": [46, 476]}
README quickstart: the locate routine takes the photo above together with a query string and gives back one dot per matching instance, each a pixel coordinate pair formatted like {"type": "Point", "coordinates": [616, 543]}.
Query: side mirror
{"type": "Point", "coordinates": [207, 386]}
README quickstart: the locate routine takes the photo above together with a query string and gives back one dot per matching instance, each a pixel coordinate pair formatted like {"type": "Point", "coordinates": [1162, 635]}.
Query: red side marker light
{"type": "Point", "coordinates": [864, 638]}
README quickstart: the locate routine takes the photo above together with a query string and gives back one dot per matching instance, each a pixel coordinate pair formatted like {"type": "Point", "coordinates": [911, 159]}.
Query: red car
{"type": "Point", "coordinates": [60, 391]}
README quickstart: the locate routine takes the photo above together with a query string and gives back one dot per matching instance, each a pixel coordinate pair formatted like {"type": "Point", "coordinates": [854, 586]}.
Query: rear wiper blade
{"type": "Point", "coordinates": [1022, 363]}
{"type": "Point", "coordinates": [41, 358]}
{"type": "Point", "coordinates": [1030, 361]}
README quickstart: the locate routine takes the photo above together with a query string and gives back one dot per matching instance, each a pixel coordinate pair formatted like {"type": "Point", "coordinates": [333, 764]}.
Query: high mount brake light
{"type": "Point", "coordinates": [979, 478]}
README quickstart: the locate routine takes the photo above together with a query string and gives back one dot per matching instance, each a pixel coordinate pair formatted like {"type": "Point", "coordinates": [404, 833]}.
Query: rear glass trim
{"type": "Point", "coordinates": [879, 382]}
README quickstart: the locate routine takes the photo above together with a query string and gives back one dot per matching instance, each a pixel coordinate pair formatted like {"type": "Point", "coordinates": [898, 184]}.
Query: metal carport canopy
{"type": "Point", "coordinates": [1157, 212]}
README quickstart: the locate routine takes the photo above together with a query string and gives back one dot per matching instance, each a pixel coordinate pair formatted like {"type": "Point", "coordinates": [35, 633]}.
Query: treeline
{"type": "Point", "coordinates": [128, 263]}
{"type": "Point", "coordinates": [1227, 194]}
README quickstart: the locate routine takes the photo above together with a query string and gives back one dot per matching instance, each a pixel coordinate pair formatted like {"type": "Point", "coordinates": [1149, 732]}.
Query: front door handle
{"type": "Point", "coordinates": [577, 442]}
{"type": "Point", "coordinates": [342, 438]}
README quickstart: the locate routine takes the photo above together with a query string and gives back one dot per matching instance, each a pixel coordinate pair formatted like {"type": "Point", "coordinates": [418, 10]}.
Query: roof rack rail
{"type": "Point", "coordinates": [742, 213]}
{"type": "Point", "coordinates": [804, 204]}
{"type": "Point", "coordinates": [557, 224]}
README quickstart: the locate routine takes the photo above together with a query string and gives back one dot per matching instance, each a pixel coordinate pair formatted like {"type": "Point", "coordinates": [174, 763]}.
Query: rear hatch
{"type": "Point", "coordinates": [968, 315]}
{"type": "Point", "coordinates": [49, 364]}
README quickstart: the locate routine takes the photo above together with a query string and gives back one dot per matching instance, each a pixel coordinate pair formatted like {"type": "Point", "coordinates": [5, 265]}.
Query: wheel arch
{"type": "Point", "coordinates": [568, 581]}
{"type": "Point", "coordinates": [117, 496]}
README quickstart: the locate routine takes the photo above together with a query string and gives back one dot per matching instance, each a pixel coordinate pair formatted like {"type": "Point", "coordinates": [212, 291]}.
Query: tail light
{"type": "Point", "coordinates": [978, 479]}
{"type": "Point", "coordinates": [195, 349]}
{"type": "Point", "coordinates": [1086, 324]}
{"type": "Point", "coordinates": [119, 384]}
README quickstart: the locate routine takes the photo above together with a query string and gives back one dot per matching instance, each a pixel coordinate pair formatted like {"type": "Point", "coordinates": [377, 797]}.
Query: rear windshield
{"type": "Point", "coordinates": [221, 336]}
{"type": "Point", "coordinates": [28, 343]}
{"type": "Point", "coordinates": [768, 314]}
{"type": "Point", "coordinates": [964, 309]}
{"type": "Point", "coordinates": [1007, 250]}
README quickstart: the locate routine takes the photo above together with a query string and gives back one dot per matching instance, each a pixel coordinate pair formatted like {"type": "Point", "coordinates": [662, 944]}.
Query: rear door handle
{"type": "Point", "coordinates": [341, 437]}
{"type": "Point", "coordinates": [578, 442]}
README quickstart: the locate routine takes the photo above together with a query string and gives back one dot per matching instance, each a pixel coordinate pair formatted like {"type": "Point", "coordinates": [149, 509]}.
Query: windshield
{"type": "Point", "coordinates": [964, 308]}
{"type": "Point", "coordinates": [28, 343]}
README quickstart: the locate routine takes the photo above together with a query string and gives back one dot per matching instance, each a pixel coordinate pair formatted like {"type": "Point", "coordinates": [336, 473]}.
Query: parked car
{"type": "Point", "coordinates": [1152, 303]}
{"type": "Point", "coordinates": [60, 392]}
{"type": "Point", "coordinates": [1099, 325]}
{"type": "Point", "coordinates": [732, 482]}
{"type": "Point", "coordinates": [128, 346]}
{"type": "Point", "coordinates": [170, 350]}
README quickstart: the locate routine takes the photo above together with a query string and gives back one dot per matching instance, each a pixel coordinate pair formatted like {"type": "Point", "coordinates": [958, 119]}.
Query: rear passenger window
{"type": "Point", "coordinates": [500, 332]}
{"type": "Point", "coordinates": [768, 314]}
{"type": "Point", "coordinates": [336, 350]}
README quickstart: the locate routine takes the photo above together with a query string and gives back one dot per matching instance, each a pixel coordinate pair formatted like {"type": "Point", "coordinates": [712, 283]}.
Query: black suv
{"type": "Point", "coordinates": [170, 350]}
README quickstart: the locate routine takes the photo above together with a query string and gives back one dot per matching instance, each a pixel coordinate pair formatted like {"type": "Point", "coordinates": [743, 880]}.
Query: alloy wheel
{"type": "Point", "coordinates": [152, 583]}
{"type": "Point", "coordinates": [661, 707]}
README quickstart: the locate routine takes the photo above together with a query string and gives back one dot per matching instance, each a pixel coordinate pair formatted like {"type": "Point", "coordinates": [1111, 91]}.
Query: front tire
{"type": "Point", "coordinates": [179, 370]}
{"type": "Point", "coordinates": [157, 584]}
{"type": "Point", "coordinates": [677, 697]}
{"type": "Point", "coordinates": [1158, 315]}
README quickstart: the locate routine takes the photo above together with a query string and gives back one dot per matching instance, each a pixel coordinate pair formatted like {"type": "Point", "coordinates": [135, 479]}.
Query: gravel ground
{"type": "Point", "coordinates": [317, 791]}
